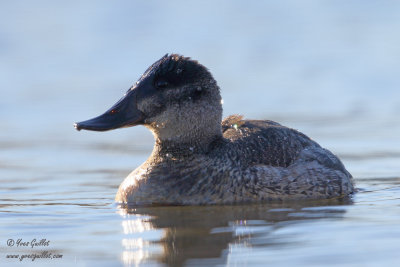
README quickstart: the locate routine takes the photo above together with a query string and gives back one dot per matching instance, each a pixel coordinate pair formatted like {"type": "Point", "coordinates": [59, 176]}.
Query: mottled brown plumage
{"type": "Point", "coordinates": [199, 159]}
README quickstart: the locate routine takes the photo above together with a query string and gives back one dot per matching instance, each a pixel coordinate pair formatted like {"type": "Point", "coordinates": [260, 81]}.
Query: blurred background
{"type": "Point", "coordinates": [335, 63]}
{"type": "Point", "coordinates": [330, 69]}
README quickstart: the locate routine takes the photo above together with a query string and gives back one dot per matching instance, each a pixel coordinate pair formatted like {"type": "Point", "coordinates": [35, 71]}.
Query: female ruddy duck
{"type": "Point", "coordinates": [198, 159]}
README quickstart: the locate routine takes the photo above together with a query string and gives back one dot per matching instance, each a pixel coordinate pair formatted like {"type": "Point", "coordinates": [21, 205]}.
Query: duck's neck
{"type": "Point", "coordinates": [178, 149]}
{"type": "Point", "coordinates": [194, 139]}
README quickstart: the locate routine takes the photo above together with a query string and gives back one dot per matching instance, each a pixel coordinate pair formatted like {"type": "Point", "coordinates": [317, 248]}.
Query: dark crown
{"type": "Point", "coordinates": [177, 70]}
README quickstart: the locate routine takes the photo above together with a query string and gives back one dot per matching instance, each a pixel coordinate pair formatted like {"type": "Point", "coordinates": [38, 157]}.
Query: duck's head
{"type": "Point", "coordinates": [176, 98]}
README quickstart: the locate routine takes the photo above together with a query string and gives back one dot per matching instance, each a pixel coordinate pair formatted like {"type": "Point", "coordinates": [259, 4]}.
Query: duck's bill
{"type": "Point", "coordinates": [123, 114]}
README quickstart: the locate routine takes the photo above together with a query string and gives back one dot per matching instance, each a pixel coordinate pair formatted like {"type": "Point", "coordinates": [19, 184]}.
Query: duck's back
{"type": "Point", "coordinates": [264, 142]}
{"type": "Point", "coordinates": [277, 162]}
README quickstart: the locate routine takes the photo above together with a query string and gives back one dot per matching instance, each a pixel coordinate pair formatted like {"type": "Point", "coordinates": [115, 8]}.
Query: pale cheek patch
{"type": "Point", "coordinates": [150, 107]}
{"type": "Point", "coordinates": [146, 104]}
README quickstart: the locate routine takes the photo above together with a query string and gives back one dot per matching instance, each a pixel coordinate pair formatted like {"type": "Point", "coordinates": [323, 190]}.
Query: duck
{"type": "Point", "coordinates": [201, 159]}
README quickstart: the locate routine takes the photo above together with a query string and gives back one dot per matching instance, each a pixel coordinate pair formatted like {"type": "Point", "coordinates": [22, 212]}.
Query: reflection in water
{"type": "Point", "coordinates": [136, 248]}
{"type": "Point", "coordinates": [136, 226]}
{"type": "Point", "coordinates": [178, 235]}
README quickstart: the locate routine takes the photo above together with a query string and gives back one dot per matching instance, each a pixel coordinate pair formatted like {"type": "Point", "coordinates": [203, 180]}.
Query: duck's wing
{"type": "Point", "coordinates": [282, 163]}
{"type": "Point", "coordinates": [315, 174]}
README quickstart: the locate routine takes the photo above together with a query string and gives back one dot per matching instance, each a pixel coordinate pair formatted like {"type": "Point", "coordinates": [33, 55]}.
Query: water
{"type": "Point", "coordinates": [329, 69]}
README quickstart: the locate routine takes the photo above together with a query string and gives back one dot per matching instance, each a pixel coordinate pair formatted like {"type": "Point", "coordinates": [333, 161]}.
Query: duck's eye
{"type": "Point", "coordinates": [162, 84]}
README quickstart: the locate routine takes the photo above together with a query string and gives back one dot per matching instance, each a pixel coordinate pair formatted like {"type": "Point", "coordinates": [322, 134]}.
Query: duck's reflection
{"type": "Point", "coordinates": [204, 235]}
